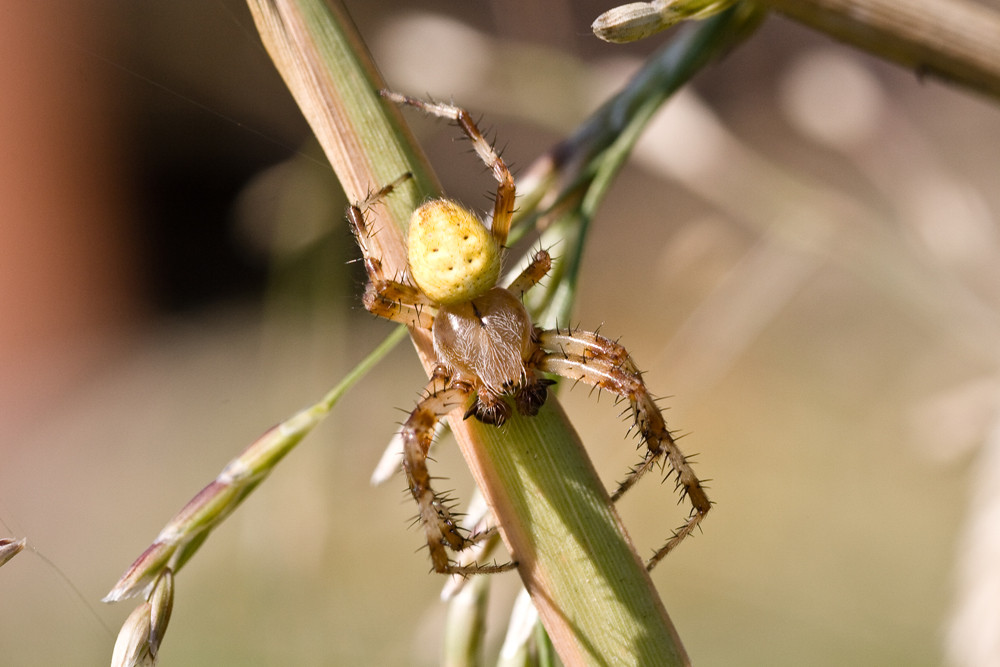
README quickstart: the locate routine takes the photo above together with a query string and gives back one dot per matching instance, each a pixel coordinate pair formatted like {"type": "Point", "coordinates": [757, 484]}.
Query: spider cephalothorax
{"type": "Point", "coordinates": [487, 347]}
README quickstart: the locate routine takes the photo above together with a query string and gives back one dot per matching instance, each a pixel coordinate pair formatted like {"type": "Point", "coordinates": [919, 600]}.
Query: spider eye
{"type": "Point", "coordinates": [452, 256]}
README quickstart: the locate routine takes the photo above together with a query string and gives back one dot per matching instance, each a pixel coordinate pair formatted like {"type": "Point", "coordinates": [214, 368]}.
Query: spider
{"type": "Point", "coordinates": [487, 348]}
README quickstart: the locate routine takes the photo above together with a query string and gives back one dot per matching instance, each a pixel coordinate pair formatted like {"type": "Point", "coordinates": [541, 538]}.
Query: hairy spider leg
{"type": "Point", "coordinates": [532, 274]}
{"type": "Point", "coordinates": [532, 394]}
{"type": "Point", "coordinates": [503, 205]}
{"type": "Point", "coordinates": [389, 299]}
{"type": "Point", "coordinates": [597, 361]}
{"type": "Point", "coordinates": [441, 397]}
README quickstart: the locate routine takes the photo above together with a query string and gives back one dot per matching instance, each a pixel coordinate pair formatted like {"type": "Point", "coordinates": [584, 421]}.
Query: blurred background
{"type": "Point", "coordinates": [802, 255]}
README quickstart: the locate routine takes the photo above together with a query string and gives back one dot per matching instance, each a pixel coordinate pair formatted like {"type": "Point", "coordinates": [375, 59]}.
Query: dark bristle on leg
{"type": "Point", "coordinates": [592, 359]}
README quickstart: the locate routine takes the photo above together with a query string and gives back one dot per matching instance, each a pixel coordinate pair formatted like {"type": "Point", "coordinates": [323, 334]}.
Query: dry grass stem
{"type": "Point", "coordinates": [954, 40]}
{"type": "Point", "coordinates": [466, 623]}
{"type": "Point", "coordinates": [516, 649]}
{"type": "Point", "coordinates": [9, 547]}
{"type": "Point", "coordinates": [186, 531]}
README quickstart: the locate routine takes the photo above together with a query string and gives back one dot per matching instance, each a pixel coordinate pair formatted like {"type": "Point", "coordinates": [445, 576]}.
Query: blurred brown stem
{"type": "Point", "coordinates": [953, 40]}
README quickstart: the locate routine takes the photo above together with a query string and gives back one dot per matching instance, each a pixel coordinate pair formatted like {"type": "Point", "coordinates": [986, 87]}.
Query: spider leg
{"type": "Point", "coordinates": [503, 205]}
{"type": "Point", "coordinates": [390, 299]}
{"type": "Point", "coordinates": [532, 274]}
{"type": "Point", "coordinates": [597, 361]}
{"type": "Point", "coordinates": [441, 528]}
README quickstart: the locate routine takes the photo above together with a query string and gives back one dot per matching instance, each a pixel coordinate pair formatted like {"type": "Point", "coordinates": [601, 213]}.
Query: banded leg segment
{"type": "Point", "coordinates": [597, 361]}
{"type": "Point", "coordinates": [532, 274]}
{"type": "Point", "coordinates": [389, 299]}
{"type": "Point", "coordinates": [398, 302]}
{"type": "Point", "coordinates": [440, 526]}
{"type": "Point", "coordinates": [503, 205]}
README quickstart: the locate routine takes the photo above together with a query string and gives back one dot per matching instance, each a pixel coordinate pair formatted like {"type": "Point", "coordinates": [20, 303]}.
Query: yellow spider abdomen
{"type": "Point", "coordinates": [453, 257]}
